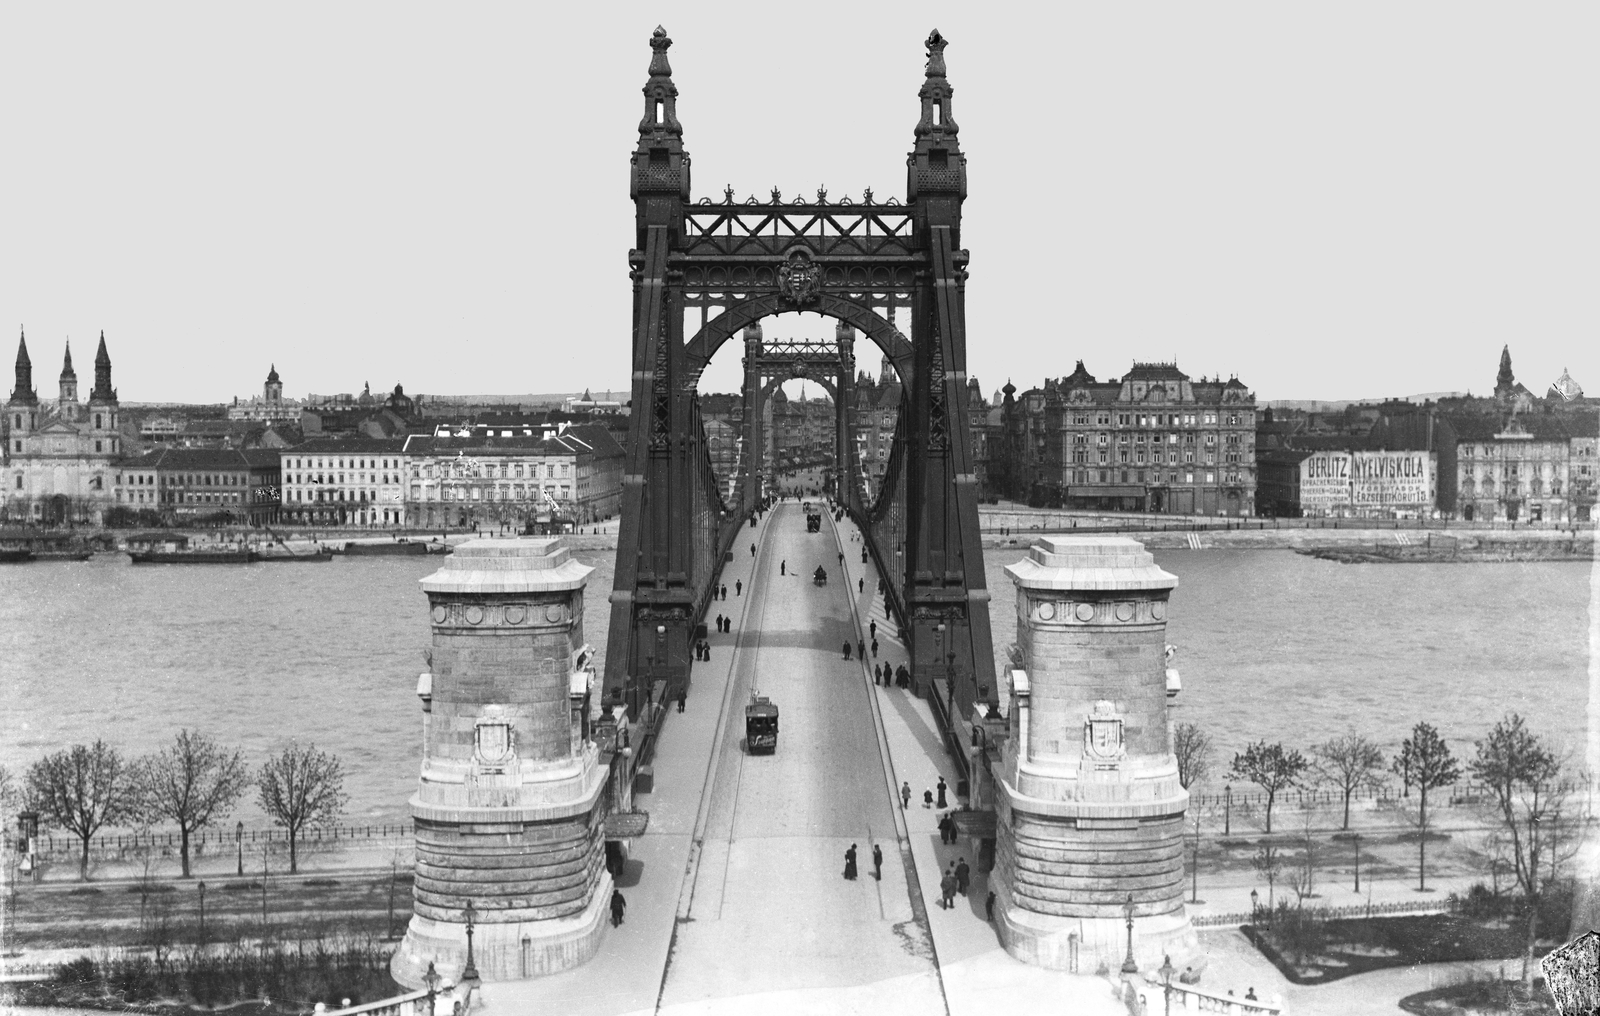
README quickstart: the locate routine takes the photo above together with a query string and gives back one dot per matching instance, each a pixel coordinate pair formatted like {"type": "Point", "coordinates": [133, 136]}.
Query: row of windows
{"type": "Point", "coordinates": [1150, 476]}
{"type": "Point", "coordinates": [329, 462]}
{"type": "Point", "coordinates": [305, 478]}
{"type": "Point", "coordinates": [1103, 419]}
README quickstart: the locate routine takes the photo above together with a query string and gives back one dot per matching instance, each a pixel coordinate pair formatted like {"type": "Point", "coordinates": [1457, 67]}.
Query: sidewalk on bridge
{"type": "Point", "coordinates": [979, 976]}
{"type": "Point", "coordinates": [625, 976]}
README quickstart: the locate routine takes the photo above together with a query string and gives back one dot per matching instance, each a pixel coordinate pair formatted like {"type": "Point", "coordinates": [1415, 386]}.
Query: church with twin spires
{"type": "Point", "coordinates": [59, 453]}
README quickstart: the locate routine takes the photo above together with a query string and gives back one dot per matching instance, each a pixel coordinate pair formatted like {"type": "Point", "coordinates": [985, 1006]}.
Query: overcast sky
{"type": "Point", "coordinates": [1330, 201]}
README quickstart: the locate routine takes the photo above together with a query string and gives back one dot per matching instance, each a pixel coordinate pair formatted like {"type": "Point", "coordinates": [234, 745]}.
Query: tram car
{"type": "Point", "coordinates": [761, 726]}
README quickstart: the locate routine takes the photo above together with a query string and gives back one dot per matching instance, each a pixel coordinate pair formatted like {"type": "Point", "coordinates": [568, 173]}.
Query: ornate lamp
{"type": "Point", "coordinates": [469, 975]}
{"type": "Point", "coordinates": [1128, 965]}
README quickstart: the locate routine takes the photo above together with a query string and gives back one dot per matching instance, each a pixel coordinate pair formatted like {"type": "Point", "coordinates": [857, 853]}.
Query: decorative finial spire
{"type": "Point", "coordinates": [660, 94]}
{"type": "Point", "coordinates": [936, 44]}
{"type": "Point", "coordinates": [66, 363]}
{"type": "Point", "coordinates": [659, 44]}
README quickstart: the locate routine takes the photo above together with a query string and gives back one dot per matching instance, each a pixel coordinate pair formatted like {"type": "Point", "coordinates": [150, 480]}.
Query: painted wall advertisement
{"type": "Point", "coordinates": [1335, 482]}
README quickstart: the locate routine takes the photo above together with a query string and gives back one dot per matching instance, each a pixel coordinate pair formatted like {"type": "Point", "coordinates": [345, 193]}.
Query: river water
{"type": "Point", "coordinates": [1271, 645]}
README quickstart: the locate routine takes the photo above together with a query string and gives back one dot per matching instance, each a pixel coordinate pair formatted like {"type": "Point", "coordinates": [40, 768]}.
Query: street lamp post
{"type": "Point", "coordinates": [1227, 809]}
{"type": "Point", "coordinates": [1128, 965]}
{"type": "Point", "coordinates": [1166, 981]}
{"type": "Point", "coordinates": [431, 978]}
{"type": "Point", "coordinates": [1255, 906]}
{"type": "Point", "coordinates": [1356, 837]}
{"type": "Point", "coordinates": [202, 888]}
{"type": "Point", "coordinates": [238, 840]}
{"type": "Point", "coordinates": [470, 972]}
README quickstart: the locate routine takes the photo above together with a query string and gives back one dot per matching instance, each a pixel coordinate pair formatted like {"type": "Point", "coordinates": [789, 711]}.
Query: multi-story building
{"type": "Point", "coordinates": [346, 482]}
{"type": "Point", "coordinates": [270, 406]}
{"type": "Point", "coordinates": [203, 486]}
{"type": "Point", "coordinates": [722, 415]}
{"type": "Point", "coordinates": [877, 409]}
{"type": "Point", "coordinates": [59, 458]}
{"type": "Point", "coordinates": [1513, 469]}
{"type": "Point", "coordinates": [1154, 440]}
{"type": "Point", "coordinates": [467, 476]}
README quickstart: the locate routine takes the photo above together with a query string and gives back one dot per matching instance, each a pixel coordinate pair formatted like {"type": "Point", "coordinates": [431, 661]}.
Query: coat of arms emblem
{"type": "Point", "coordinates": [494, 745]}
{"type": "Point", "coordinates": [799, 277]}
{"type": "Point", "coordinates": [1102, 733]}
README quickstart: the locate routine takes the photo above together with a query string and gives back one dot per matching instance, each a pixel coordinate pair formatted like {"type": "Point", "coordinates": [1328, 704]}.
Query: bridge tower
{"type": "Point", "coordinates": [862, 262]}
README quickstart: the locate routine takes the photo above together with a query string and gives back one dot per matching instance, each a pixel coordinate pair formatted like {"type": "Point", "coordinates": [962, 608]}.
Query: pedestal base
{"type": "Point", "coordinates": [499, 950]}
{"type": "Point", "coordinates": [1050, 942]}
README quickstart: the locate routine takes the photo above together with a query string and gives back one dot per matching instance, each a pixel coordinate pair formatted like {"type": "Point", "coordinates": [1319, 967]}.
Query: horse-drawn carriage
{"type": "Point", "coordinates": [819, 577]}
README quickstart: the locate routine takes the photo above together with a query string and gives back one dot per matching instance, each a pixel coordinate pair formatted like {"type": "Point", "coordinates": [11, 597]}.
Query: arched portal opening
{"type": "Point", "coordinates": [778, 395]}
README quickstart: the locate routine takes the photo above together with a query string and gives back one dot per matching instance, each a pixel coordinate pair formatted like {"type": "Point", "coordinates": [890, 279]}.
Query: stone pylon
{"type": "Point", "coordinates": [509, 807]}
{"type": "Point", "coordinates": [1090, 810]}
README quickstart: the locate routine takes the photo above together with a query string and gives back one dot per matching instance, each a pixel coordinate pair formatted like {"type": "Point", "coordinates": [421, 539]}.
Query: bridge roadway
{"type": "Point", "coordinates": [768, 908]}
{"type": "Point", "coordinates": [736, 900]}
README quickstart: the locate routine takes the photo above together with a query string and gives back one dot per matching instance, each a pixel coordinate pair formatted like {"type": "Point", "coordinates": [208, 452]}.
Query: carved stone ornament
{"type": "Point", "coordinates": [494, 745]}
{"type": "Point", "coordinates": [799, 278]}
{"type": "Point", "coordinates": [1102, 734]}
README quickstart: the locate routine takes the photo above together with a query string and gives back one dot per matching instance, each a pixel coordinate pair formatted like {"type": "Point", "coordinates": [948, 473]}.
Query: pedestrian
{"type": "Point", "coordinates": [877, 675]}
{"type": "Point", "coordinates": [618, 905]}
{"type": "Point", "coordinates": [752, 546]}
{"type": "Point", "coordinates": [850, 863]}
{"type": "Point", "coordinates": [841, 559]}
{"type": "Point", "coordinates": [963, 871]}
{"type": "Point", "coordinates": [927, 798]}
{"type": "Point", "coordinates": [863, 555]}
{"type": "Point", "coordinates": [874, 648]}
{"type": "Point", "coordinates": [783, 567]}
{"type": "Point", "coordinates": [861, 585]}
{"type": "Point", "coordinates": [847, 650]}
{"type": "Point", "coordinates": [947, 889]}
{"type": "Point", "coordinates": [683, 696]}
{"type": "Point", "coordinates": [905, 795]}
{"type": "Point", "coordinates": [719, 624]}
{"type": "Point", "coordinates": [877, 862]}
{"type": "Point", "coordinates": [861, 649]}
{"type": "Point", "coordinates": [941, 792]}
{"type": "Point", "coordinates": [988, 907]}
{"type": "Point", "coordinates": [724, 592]}
{"type": "Point", "coordinates": [873, 628]}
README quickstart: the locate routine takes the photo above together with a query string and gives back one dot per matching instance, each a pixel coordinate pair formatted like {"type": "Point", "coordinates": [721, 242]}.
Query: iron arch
{"type": "Point", "coordinates": [744, 313]}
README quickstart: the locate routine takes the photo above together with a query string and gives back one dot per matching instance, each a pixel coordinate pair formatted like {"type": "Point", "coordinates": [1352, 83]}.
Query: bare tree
{"type": "Point", "coordinates": [1303, 878]}
{"type": "Point", "coordinates": [1192, 746]}
{"type": "Point", "coordinates": [1426, 761]}
{"type": "Point", "coordinates": [301, 788]}
{"type": "Point", "coordinates": [82, 788]}
{"type": "Point", "coordinates": [1268, 863]}
{"type": "Point", "coordinates": [1349, 764]}
{"type": "Point", "coordinates": [190, 783]}
{"type": "Point", "coordinates": [1524, 776]}
{"type": "Point", "coordinates": [1270, 767]}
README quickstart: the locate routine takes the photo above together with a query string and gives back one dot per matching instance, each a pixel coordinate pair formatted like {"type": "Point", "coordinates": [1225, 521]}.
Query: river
{"type": "Point", "coordinates": [1271, 645]}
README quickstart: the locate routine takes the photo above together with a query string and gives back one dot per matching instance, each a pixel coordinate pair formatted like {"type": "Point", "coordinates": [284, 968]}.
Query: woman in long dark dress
{"type": "Point", "coordinates": [850, 863]}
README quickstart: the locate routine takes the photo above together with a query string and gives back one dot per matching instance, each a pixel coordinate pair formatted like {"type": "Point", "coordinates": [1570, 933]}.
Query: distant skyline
{"type": "Point", "coordinates": [1331, 202]}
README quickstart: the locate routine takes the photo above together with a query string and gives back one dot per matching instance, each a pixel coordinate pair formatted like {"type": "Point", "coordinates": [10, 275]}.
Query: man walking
{"type": "Point", "coordinates": [738, 588]}
{"type": "Point", "coordinates": [683, 696]}
{"type": "Point", "coordinates": [947, 889]}
{"type": "Point", "coordinates": [874, 648]}
{"type": "Point", "coordinates": [783, 567]}
{"type": "Point", "coordinates": [847, 650]}
{"type": "Point", "coordinates": [850, 863]}
{"type": "Point", "coordinates": [861, 649]}
{"type": "Point", "coordinates": [873, 628]}
{"type": "Point", "coordinates": [963, 876]}
{"type": "Point", "coordinates": [988, 907]}
{"type": "Point", "coordinates": [905, 795]}
{"type": "Point", "coordinates": [618, 905]}
{"type": "Point", "coordinates": [877, 862]}
{"type": "Point", "coordinates": [861, 585]}
{"type": "Point", "coordinates": [752, 546]}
